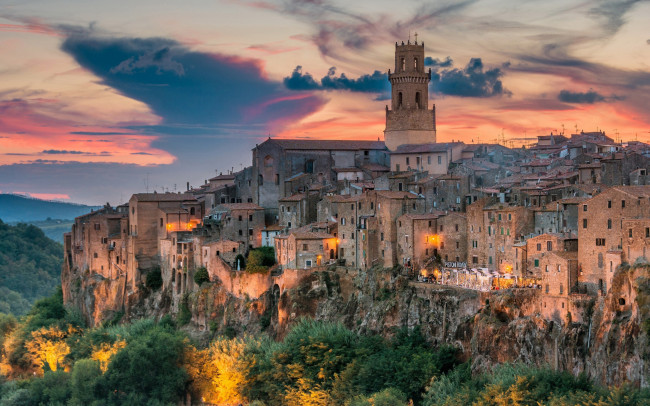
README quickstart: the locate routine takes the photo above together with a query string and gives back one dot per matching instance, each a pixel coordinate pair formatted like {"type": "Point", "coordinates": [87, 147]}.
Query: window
{"type": "Point", "coordinates": [584, 223]}
{"type": "Point", "coordinates": [609, 224]}
{"type": "Point", "coordinates": [403, 65]}
{"type": "Point", "coordinates": [240, 218]}
{"type": "Point", "coordinates": [308, 263]}
{"type": "Point", "coordinates": [490, 260]}
{"type": "Point", "coordinates": [342, 221]}
{"type": "Point", "coordinates": [629, 233]}
{"type": "Point", "coordinates": [509, 216]}
{"type": "Point", "coordinates": [622, 204]}
{"type": "Point", "coordinates": [475, 259]}
{"type": "Point", "coordinates": [397, 167]}
{"type": "Point", "coordinates": [584, 207]}
{"type": "Point", "coordinates": [304, 247]}
{"type": "Point", "coordinates": [549, 246]}
{"type": "Point", "coordinates": [546, 289]}
{"type": "Point", "coordinates": [161, 222]}
{"type": "Point", "coordinates": [600, 242]}
{"type": "Point", "coordinates": [456, 225]}
{"type": "Point", "coordinates": [546, 268]}
{"type": "Point", "coordinates": [417, 159]}
{"type": "Point", "coordinates": [539, 247]}
{"type": "Point", "coordinates": [439, 160]}
{"type": "Point", "coordinates": [441, 228]}
{"type": "Point", "coordinates": [609, 204]}
{"type": "Point", "coordinates": [241, 232]}
{"type": "Point", "coordinates": [429, 159]}
{"type": "Point", "coordinates": [260, 180]}
{"type": "Point", "coordinates": [399, 185]}
{"type": "Point", "coordinates": [233, 250]}
{"type": "Point", "coordinates": [647, 232]}
{"type": "Point", "coordinates": [382, 236]}
{"type": "Point", "coordinates": [457, 245]}
{"type": "Point", "coordinates": [417, 100]}
{"type": "Point", "coordinates": [499, 216]}
{"type": "Point", "coordinates": [289, 224]}
{"type": "Point", "coordinates": [96, 226]}
{"type": "Point", "coordinates": [415, 63]}
{"type": "Point", "coordinates": [250, 231]}
{"type": "Point", "coordinates": [537, 262]}
{"type": "Point", "coordinates": [407, 160]}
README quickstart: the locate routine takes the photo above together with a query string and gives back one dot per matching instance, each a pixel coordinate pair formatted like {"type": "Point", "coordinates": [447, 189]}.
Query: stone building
{"type": "Point", "coordinates": [602, 233]}
{"type": "Point", "coordinates": [277, 165]}
{"type": "Point", "coordinates": [409, 120]}
{"type": "Point", "coordinates": [431, 158]}
{"type": "Point", "coordinates": [559, 275]}
{"type": "Point", "coordinates": [304, 249]}
{"type": "Point", "coordinates": [239, 222]}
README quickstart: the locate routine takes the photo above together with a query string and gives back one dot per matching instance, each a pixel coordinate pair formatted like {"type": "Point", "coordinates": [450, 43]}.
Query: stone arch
{"type": "Point", "coordinates": [179, 280]}
{"type": "Point", "coordinates": [173, 275]}
{"type": "Point", "coordinates": [417, 100]}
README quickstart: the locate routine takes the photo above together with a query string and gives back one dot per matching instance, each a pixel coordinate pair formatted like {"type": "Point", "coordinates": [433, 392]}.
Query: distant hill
{"type": "Point", "coordinates": [15, 208]}
{"type": "Point", "coordinates": [30, 267]}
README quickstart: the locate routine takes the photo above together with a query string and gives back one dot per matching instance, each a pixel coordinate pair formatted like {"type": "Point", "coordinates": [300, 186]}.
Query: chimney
{"type": "Point", "coordinates": [188, 186]}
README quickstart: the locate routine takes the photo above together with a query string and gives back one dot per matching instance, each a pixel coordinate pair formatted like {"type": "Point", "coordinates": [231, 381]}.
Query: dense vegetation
{"type": "Point", "coordinates": [30, 267]}
{"type": "Point", "coordinates": [49, 357]}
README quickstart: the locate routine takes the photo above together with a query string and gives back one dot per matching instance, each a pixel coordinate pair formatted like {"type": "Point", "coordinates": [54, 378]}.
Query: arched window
{"type": "Point", "coordinates": [260, 180]}
{"type": "Point", "coordinates": [403, 64]}
{"type": "Point", "coordinates": [268, 160]}
{"type": "Point", "coordinates": [417, 99]}
{"type": "Point", "coordinates": [415, 63]}
{"type": "Point", "coordinates": [399, 99]}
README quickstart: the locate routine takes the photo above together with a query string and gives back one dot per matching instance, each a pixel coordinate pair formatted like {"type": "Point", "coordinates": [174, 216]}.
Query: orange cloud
{"type": "Point", "coordinates": [28, 135]}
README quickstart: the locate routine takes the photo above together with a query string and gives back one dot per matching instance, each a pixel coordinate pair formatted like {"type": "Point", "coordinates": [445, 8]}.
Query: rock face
{"type": "Point", "coordinates": [609, 344]}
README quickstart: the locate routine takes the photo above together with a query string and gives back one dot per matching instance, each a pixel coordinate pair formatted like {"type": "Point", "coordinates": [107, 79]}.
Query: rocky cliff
{"type": "Point", "coordinates": [608, 339]}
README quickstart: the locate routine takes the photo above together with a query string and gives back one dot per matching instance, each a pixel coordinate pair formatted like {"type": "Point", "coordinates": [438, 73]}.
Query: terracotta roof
{"type": "Point", "coordinates": [376, 168]}
{"type": "Point", "coordinates": [273, 228]}
{"type": "Point", "coordinates": [293, 198]}
{"type": "Point", "coordinates": [162, 197]}
{"type": "Point", "coordinates": [390, 194]}
{"type": "Point", "coordinates": [347, 169]}
{"type": "Point", "coordinates": [424, 148]}
{"type": "Point", "coordinates": [241, 206]}
{"type": "Point", "coordinates": [311, 235]}
{"type": "Point", "coordinates": [328, 144]}
{"type": "Point", "coordinates": [223, 177]}
{"type": "Point", "coordinates": [636, 191]}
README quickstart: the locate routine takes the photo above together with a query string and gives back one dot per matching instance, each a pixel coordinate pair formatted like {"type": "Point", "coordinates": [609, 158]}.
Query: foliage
{"type": "Point", "coordinates": [184, 314]}
{"type": "Point", "coordinates": [105, 351]}
{"type": "Point", "coordinates": [201, 276]}
{"type": "Point", "coordinates": [148, 368]}
{"type": "Point", "coordinates": [48, 346]}
{"type": "Point", "coordinates": [30, 267]}
{"type": "Point", "coordinates": [387, 397]}
{"type": "Point", "coordinates": [260, 259]}
{"type": "Point", "coordinates": [154, 279]}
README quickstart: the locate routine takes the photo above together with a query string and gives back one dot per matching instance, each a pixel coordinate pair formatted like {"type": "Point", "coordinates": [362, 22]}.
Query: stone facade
{"type": "Point", "coordinates": [601, 232]}
{"type": "Point", "coordinates": [409, 121]}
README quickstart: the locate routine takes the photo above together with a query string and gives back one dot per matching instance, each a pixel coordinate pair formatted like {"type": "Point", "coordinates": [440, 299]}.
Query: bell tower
{"type": "Point", "coordinates": [409, 120]}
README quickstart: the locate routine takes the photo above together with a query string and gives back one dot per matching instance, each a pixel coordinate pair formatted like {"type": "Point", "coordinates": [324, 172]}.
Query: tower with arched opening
{"type": "Point", "coordinates": [409, 120]}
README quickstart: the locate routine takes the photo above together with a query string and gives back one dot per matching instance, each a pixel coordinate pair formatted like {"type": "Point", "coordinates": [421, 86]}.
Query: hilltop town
{"type": "Point", "coordinates": [556, 218]}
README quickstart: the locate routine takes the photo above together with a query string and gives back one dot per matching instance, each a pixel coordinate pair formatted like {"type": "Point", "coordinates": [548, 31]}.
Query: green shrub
{"type": "Point", "coordinates": [201, 275]}
{"type": "Point", "coordinates": [154, 279]}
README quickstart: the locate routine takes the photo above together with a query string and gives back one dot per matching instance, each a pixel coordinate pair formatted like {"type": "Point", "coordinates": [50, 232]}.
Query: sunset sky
{"type": "Point", "coordinates": [100, 99]}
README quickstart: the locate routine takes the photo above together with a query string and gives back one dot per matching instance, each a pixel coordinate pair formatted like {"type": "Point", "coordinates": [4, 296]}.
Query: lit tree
{"type": "Point", "coordinates": [105, 352]}
{"type": "Point", "coordinates": [48, 346]}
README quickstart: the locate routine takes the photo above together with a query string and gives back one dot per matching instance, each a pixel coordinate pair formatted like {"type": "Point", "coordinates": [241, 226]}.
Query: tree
{"type": "Point", "coordinates": [201, 275]}
{"type": "Point", "coordinates": [48, 346]}
{"type": "Point", "coordinates": [104, 352]}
